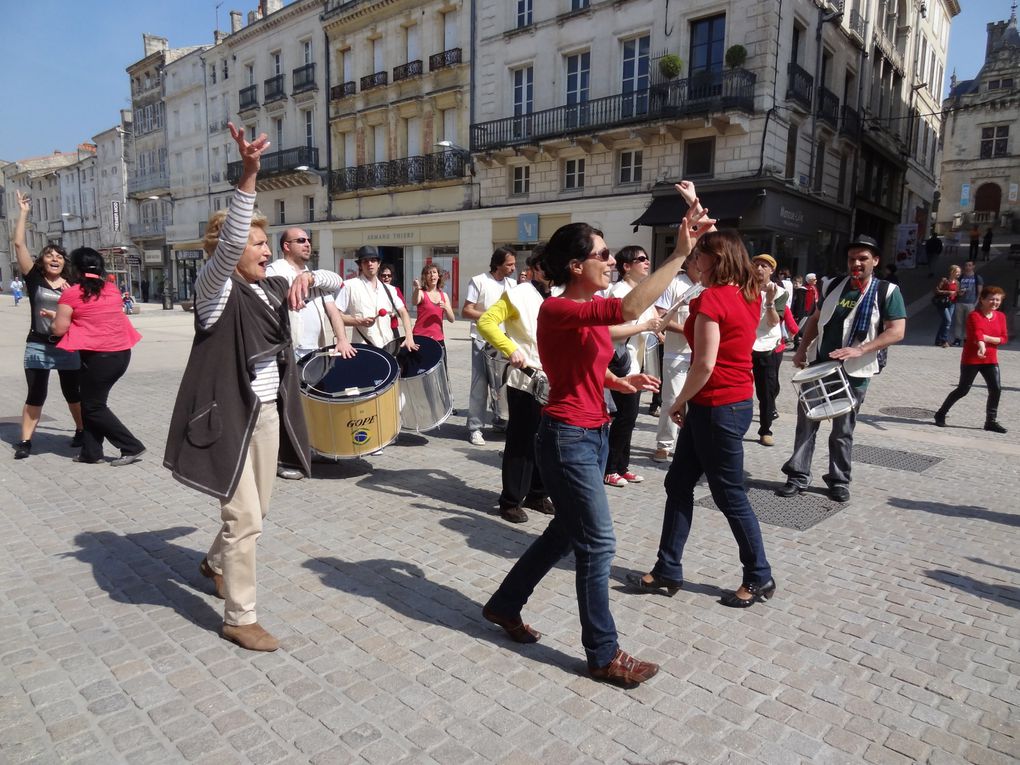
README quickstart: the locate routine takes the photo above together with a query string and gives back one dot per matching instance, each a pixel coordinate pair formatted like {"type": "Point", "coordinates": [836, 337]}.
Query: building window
{"type": "Point", "coordinates": [578, 5]}
{"type": "Point", "coordinates": [630, 166]}
{"type": "Point", "coordinates": [212, 73]}
{"type": "Point", "coordinates": [521, 183]}
{"type": "Point", "coordinates": [573, 174]}
{"type": "Point", "coordinates": [250, 70]}
{"type": "Point", "coordinates": [699, 158]}
{"type": "Point", "coordinates": [310, 209]}
{"type": "Point", "coordinates": [707, 38]}
{"type": "Point", "coordinates": [281, 212]}
{"type": "Point", "coordinates": [791, 153]}
{"type": "Point", "coordinates": [994, 141]}
{"type": "Point", "coordinates": [278, 132]}
{"type": "Point", "coordinates": [306, 50]}
{"type": "Point", "coordinates": [226, 69]}
{"type": "Point", "coordinates": [523, 13]}
{"type": "Point", "coordinates": [524, 81]}
{"type": "Point", "coordinates": [309, 129]}
{"type": "Point", "coordinates": [819, 166]}
{"type": "Point", "coordinates": [277, 62]}
{"type": "Point", "coordinates": [841, 188]}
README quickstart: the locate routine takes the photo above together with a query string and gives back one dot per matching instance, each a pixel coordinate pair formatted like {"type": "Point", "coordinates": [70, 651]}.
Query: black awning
{"type": "Point", "coordinates": [667, 210]}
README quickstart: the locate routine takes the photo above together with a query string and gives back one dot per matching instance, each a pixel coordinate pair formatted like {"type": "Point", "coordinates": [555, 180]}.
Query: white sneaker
{"type": "Point", "coordinates": [476, 438]}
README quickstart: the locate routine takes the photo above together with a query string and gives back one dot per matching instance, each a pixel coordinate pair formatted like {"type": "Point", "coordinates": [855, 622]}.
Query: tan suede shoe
{"type": "Point", "coordinates": [250, 636]}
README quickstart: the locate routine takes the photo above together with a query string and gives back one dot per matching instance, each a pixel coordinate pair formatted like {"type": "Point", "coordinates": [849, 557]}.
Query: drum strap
{"type": "Point", "coordinates": [393, 303]}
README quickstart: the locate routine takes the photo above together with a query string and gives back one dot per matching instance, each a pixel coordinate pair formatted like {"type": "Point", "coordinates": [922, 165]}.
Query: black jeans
{"type": "Point", "coordinates": [766, 386]}
{"type": "Point", "coordinates": [968, 373]}
{"type": "Point", "coordinates": [521, 480]}
{"type": "Point", "coordinates": [100, 371]}
{"type": "Point", "coordinates": [620, 432]}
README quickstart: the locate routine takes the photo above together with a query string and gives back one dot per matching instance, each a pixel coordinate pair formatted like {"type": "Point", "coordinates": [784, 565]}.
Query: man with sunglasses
{"type": "Point", "coordinates": [319, 319]}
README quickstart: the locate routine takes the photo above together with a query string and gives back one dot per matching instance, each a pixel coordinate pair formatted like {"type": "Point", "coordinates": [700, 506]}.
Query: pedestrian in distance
{"type": "Point", "coordinates": [986, 244]}
{"type": "Point", "coordinates": [975, 241]}
{"type": "Point", "coordinates": [969, 289]}
{"type": "Point", "coordinates": [945, 303]}
{"type": "Point", "coordinates": [768, 336]}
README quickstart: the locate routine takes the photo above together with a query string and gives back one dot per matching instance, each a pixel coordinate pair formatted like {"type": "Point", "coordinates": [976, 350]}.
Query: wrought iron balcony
{"type": "Point", "coordinates": [304, 78]}
{"type": "Point", "coordinates": [857, 23]}
{"type": "Point", "coordinates": [274, 89]}
{"type": "Point", "coordinates": [408, 171]}
{"type": "Point", "coordinates": [850, 125]}
{"type": "Point", "coordinates": [798, 87]}
{"type": "Point", "coordinates": [376, 80]}
{"type": "Point", "coordinates": [699, 94]}
{"type": "Point", "coordinates": [445, 59]}
{"type": "Point", "coordinates": [278, 162]}
{"type": "Point", "coordinates": [248, 98]}
{"type": "Point", "coordinates": [148, 182]}
{"type": "Point", "coordinates": [343, 91]}
{"type": "Point", "coordinates": [828, 106]}
{"type": "Point", "coordinates": [410, 69]}
{"type": "Point", "coordinates": [148, 228]}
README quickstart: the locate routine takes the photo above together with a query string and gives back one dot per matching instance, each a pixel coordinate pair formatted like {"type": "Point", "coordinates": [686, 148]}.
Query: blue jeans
{"type": "Point", "coordinates": [572, 461]}
{"type": "Point", "coordinates": [945, 323]}
{"type": "Point", "coordinates": [711, 443]}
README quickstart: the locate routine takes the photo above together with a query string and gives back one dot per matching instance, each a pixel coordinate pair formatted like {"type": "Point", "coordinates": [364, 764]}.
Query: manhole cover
{"type": "Point", "coordinates": [894, 458]}
{"type": "Point", "coordinates": [908, 412]}
{"type": "Point", "coordinates": [799, 512]}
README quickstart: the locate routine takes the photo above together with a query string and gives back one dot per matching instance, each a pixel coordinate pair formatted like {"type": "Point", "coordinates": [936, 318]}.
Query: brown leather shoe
{"type": "Point", "coordinates": [513, 513]}
{"type": "Point", "coordinates": [542, 505]}
{"type": "Point", "coordinates": [625, 670]}
{"type": "Point", "coordinates": [207, 571]}
{"type": "Point", "coordinates": [515, 627]}
{"type": "Point", "coordinates": [250, 636]}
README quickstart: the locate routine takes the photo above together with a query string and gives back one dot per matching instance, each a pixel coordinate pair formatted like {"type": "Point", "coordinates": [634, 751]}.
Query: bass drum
{"type": "Point", "coordinates": [425, 401]}
{"type": "Point", "coordinates": [351, 406]}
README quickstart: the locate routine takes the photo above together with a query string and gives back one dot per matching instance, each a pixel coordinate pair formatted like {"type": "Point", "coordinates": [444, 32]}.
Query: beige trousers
{"type": "Point", "coordinates": [233, 551]}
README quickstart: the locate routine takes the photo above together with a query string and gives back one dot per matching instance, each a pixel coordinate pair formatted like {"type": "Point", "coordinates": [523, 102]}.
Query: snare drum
{"type": "Point", "coordinates": [425, 401]}
{"type": "Point", "coordinates": [351, 405]}
{"type": "Point", "coordinates": [824, 391]}
{"type": "Point", "coordinates": [497, 366]}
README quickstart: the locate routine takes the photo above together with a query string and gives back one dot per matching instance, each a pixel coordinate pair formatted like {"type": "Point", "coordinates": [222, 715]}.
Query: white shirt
{"type": "Point", "coordinates": [309, 325]}
{"type": "Point", "coordinates": [360, 298]}
{"type": "Point", "coordinates": [676, 344]}
{"type": "Point", "coordinates": [766, 338]}
{"type": "Point", "coordinates": [484, 290]}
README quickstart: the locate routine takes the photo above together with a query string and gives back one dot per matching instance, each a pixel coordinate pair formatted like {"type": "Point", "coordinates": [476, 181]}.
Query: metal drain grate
{"type": "Point", "coordinates": [908, 412]}
{"type": "Point", "coordinates": [799, 512]}
{"type": "Point", "coordinates": [894, 458]}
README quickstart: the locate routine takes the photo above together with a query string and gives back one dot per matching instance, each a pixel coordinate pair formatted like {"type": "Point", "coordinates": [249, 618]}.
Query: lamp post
{"type": "Point", "coordinates": [168, 293]}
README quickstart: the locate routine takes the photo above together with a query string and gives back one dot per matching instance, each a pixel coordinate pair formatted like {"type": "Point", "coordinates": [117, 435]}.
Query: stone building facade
{"type": "Point", "coordinates": [980, 169]}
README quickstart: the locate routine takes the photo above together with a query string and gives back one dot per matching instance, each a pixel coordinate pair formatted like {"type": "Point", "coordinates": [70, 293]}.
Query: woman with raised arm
{"type": "Point", "coordinates": [45, 279]}
{"type": "Point", "coordinates": [238, 412]}
{"type": "Point", "coordinates": [572, 441]}
{"type": "Point", "coordinates": [433, 305]}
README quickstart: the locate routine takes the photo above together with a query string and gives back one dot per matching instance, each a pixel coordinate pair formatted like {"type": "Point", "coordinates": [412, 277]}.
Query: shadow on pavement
{"type": "Point", "coordinates": [44, 441]}
{"type": "Point", "coordinates": [438, 485]}
{"type": "Point", "coordinates": [984, 562]}
{"type": "Point", "coordinates": [1005, 594]}
{"type": "Point", "coordinates": [957, 511]}
{"type": "Point", "coordinates": [134, 568]}
{"type": "Point", "coordinates": [404, 588]}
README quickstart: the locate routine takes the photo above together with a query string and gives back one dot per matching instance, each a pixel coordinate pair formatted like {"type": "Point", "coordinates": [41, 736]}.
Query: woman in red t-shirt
{"type": "Point", "coordinates": [572, 443]}
{"type": "Point", "coordinates": [986, 331]}
{"type": "Point", "coordinates": [90, 316]}
{"type": "Point", "coordinates": [945, 294]}
{"type": "Point", "coordinates": [433, 305]}
{"type": "Point", "coordinates": [713, 410]}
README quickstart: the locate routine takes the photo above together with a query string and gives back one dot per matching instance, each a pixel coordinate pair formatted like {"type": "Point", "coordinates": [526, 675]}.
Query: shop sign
{"type": "Point", "coordinates": [527, 227]}
{"type": "Point", "coordinates": [965, 195]}
{"type": "Point", "coordinates": [188, 254]}
{"type": "Point", "coordinates": [1012, 192]}
{"type": "Point", "coordinates": [906, 245]}
{"type": "Point", "coordinates": [153, 257]}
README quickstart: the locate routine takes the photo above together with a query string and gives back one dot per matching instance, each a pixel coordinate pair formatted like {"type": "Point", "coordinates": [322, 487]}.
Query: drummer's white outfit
{"type": "Point", "coordinates": [360, 297]}
{"type": "Point", "coordinates": [309, 328]}
{"type": "Point", "coordinates": [676, 362]}
{"type": "Point", "coordinates": [483, 290]}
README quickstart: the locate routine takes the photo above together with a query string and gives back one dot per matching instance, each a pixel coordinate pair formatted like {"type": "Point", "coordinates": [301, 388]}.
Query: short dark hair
{"type": "Point", "coordinates": [627, 255]}
{"type": "Point", "coordinates": [573, 241]}
{"type": "Point", "coordinates": [499, 256]}
{"type": "Point", "coordinates": [65, 272]}
{"type": "Point", "coordinates": [537, 256]}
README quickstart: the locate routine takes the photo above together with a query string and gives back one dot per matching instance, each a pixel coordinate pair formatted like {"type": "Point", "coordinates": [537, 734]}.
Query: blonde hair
{"type": "Point", "coordinates": [212, 230]}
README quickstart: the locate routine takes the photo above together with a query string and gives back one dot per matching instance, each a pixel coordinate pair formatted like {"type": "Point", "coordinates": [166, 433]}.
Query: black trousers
{"type": "Point", "coordinates": [766, 386]}
{"type": "Point", "coordinates": [521, 480]}
{"type": "Point", "coordinates": [100, 371]}
{"type": "Point", "coordinates": [968, 373]}
{"type": "Point", "coordinates": [621, 431]}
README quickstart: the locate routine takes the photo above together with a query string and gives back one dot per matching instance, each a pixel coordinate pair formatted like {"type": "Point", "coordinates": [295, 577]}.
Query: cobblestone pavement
{"type": "Point", "coordinates": [894, 636]}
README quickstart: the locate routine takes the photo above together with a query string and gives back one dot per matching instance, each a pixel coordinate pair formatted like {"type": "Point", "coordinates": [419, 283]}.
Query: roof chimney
{"type": "Point", "coordinates": [235, 21]}
{"type": "Point", "coordinates": [218, 36]}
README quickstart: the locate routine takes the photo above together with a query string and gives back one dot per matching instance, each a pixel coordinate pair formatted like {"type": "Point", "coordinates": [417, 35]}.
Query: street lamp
{"type": "Point", "coordinates": [323, 174]}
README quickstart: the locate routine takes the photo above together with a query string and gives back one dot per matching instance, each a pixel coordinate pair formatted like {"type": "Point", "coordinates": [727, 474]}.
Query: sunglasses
{"type": "Point", "coordinates": [385, 276]}
{"type": "Point", "coordinates": [641, 259]}
{"type": "Point", "coordinates": [604, 256]}
{"type": "Point", "coordinates": [300, 240]}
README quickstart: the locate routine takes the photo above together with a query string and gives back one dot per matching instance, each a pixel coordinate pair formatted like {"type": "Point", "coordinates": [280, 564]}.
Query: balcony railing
{"type": "Point", "coordinates": [445, 59]}
{"type": "Point", "coordinates": [857, 23]}
{"type": "Point", "coordinates": [274, 89]}
{"type": "Point", "coordinates": [828, 106]}
{"type": "Point", "coordinates": [304, 78]}
{"type": "Point", "coordinates": [373, 80]}
{"type": "Point", "coordinates": [148, 228]}
{"type": "Point", "coordinates": [278, 162]}
{"type": "Point", "coordinates": [711, 91]}
{"type": "Point", "coordinates": [343, 91]}
{"type": "Point", "coordinates": [798, 88]}
{"type": "Point", "coordinates": [850, 125]}
{"type": "Point", "coordinates": [248, 98]}
{"type": "Point", "coordinates": [408, 171]}
{"type": "Point", "coordinates": [148, 182]}
{"type": "Point", "coordinates": [410, 69]}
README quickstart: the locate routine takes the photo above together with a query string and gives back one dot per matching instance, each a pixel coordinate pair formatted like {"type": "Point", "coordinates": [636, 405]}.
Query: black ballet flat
{"type": "Point", "coordinates": [658, 585]}
{"type": "Point", "coordinates": [759, 594]}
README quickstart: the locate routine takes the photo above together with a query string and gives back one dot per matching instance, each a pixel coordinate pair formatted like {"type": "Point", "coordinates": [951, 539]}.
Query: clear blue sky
{"type": "Point", "coordinates": [63, 62]}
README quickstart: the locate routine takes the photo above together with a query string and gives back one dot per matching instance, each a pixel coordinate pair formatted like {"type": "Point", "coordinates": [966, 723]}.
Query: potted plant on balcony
{"type": "Point", "coordinates": [736, 55]}
{"type": "Point", "coordinates": [670, 66]}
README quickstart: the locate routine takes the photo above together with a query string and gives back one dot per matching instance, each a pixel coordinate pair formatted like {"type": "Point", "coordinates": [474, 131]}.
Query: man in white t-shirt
{"type": "Point", "coordinates": [318, 322]}
{"type": "Point", "coordinates": [368, 304]}
{"type": "Point", "coordinates": [482, 292]}
{"type": "Point", "coordinates": [764, 359]}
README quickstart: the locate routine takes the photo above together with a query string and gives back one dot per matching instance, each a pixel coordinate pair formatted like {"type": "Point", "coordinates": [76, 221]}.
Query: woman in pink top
{"type": "Point", "coordinates": [433, 305]}
{"type": "Point", "coordinates": [90, 317]}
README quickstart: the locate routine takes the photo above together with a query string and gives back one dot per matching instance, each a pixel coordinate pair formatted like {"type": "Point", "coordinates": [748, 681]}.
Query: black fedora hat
{"type": "Point", "coordinates": [863, 240]}
{"type": "Point", "coordinates": [366, 251]}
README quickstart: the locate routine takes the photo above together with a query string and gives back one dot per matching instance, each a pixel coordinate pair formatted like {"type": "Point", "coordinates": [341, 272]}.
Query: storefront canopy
{"type": "Point", "coordinates": [668, 209]}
